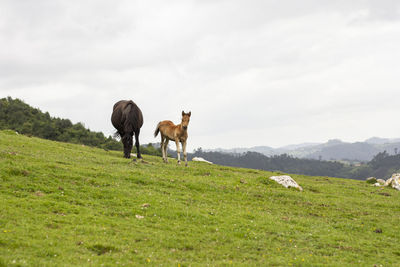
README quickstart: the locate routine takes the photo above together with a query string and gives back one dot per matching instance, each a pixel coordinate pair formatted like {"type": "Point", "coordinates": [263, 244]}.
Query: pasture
{"type": "Point", "coordinates": [64, 204]}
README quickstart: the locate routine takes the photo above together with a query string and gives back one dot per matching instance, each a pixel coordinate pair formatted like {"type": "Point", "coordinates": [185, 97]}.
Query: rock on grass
{"type": "Point", "coordinates": [286, 181]}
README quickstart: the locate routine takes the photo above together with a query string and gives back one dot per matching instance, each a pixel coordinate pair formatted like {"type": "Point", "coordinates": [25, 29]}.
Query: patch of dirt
{"type": "Point", "coordinates": [39, 193]}
{"type": "Point", "coordinates": [52, 226]}
{"type": "Point", "coordinates": [313, 190]}
{"type": "Point", "coordinates": [102, 249]}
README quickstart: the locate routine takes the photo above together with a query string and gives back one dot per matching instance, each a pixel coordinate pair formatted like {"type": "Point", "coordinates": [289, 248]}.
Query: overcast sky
{"type": "Point", "coordinates": [251, 72]}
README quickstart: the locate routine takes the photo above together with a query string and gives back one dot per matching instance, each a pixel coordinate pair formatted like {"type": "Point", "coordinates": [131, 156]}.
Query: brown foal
{"type": "Point", "coordinates": [177, 133]}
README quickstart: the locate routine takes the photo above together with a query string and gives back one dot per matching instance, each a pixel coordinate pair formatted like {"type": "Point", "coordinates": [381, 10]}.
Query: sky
{"type": "Point", "coordinates": [252, 72]}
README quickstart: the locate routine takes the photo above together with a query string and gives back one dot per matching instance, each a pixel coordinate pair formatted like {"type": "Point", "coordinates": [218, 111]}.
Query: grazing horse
{"type": "Point", "coordinates": [127, 118]}
{"type": "Point", "coordinates": [177, 133]}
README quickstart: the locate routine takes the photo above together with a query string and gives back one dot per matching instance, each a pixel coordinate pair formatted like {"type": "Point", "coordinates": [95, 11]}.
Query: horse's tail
{"type": "Point", "coordinates": [157, 130]}
{"type": "Point", "coordinates": [117, 135]}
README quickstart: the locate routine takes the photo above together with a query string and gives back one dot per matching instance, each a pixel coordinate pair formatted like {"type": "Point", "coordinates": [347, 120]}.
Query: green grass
{"type": "Point", "coordinates": [65, 204]}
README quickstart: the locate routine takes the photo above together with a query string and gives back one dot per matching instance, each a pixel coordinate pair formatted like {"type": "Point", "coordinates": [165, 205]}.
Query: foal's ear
{"type": "Point", "coordinates": [190, 113]}
{"type": "Point", "coordinates": [183, 113]}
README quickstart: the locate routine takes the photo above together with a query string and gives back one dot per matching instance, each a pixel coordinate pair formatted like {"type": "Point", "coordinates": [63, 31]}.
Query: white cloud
{"type": "Point", "coordinates": [252, 73]}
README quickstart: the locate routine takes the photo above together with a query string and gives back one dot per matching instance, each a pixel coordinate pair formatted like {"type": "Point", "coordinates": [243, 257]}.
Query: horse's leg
{"type": "Point", "coordinates": [184, 152]}
{"type": "Point", "coordinates": [126, 155]}
{"type": "Point", "coordinates": [127, 140]}
{"type": "Point", "coordinates": [165, 149]}
{"type": "Point", "coordinates": [164, 144]}
{"type": "Point", "coordinates": [178, 151]}
{"type": "Point", "coordinates": [137, 132]}
{"type": "Point", "coordinates": [123, 141]}
{"type": "Point", "coordinates": [162, 147]}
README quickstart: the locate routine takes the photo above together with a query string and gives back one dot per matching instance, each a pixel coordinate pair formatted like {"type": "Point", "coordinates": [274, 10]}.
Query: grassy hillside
{"type": "Point", "coordinates": [64, 204]}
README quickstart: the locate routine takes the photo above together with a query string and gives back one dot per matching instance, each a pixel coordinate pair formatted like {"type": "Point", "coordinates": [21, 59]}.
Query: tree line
{"type": "Point", "coordinates": [18, 116]}
{"type": "Point", "coordinates": [382, 165]}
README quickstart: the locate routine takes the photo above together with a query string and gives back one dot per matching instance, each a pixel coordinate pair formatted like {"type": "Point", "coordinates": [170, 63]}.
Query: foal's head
{"type": "Point", "coordinates": [185, 119]}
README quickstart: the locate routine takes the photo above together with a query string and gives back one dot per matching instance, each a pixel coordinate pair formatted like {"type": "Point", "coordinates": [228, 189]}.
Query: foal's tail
{"type": "Point", "coordinates": [157, 130]}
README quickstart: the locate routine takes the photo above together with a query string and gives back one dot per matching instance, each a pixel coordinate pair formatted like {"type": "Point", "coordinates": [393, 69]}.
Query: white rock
{"type": "Point", "coordinates": [286, 181]}
{"type": "Point", "coordinates": [201, 160]}
{"type": "Point", "coordinates": [394, 181]}
{"type": "Point", "coordinates": [377, 184]}
{"type": "Point", "coordinates": [381, 181]}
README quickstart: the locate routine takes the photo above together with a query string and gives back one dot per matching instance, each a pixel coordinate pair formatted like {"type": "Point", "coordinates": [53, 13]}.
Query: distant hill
{"type": "Point", "coordinates": [18, 116]}
{"type": "Point", "coordinates": [298, 146]}
{"type": "Point", "coordinates": [266, 150]}
{"type": "Point", "coordinates": [381, 141]}
{"type": "Point", "coordinates": [382, 165]}
{"type": "Point", "coordinates": [332, 150]}
{"type": "Point", "coordinates": [346, 151]}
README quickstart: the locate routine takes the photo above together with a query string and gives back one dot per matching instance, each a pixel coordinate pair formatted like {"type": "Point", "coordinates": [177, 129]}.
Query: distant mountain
{"type": "Point", "coordinates": [346, 151]}
{"type": "Point", "coordinates": [334, 149]}
{"type": "Point", "coordinates": [266, 150]}
{"type": "Point", "coordinates": [359, 151]}
{"type": "Point", "coordinates": [298, 146]}
{"type": "Point", "coordinates": [381, 141]}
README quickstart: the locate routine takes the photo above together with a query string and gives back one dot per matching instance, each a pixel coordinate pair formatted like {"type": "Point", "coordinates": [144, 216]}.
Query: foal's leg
{"type": "Point", "coordinates": [165, 149]}
{"type": "Point", "coordinates": [162, 147]}
{"type": "Point", "coordinates": [178, 151]}
{"type": "Point", "coordinates": [184, 152]}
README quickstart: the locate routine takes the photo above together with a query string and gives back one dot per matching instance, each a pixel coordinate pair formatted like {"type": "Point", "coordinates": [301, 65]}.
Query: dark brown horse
{"type": "Point", "coordinates": [177, 133]}
{"type": "Point", "coordinates": [127, 118]}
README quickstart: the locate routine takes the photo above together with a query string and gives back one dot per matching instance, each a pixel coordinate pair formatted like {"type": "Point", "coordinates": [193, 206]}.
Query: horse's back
{"type": "Point", "coordinates": [166, 124]}
{"type": "Point", "coordinates": [126, 111]}
{"type": "Point", "coordinates": [167, 129]}
{"type": "Point", "coordinates": [123, 104]}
